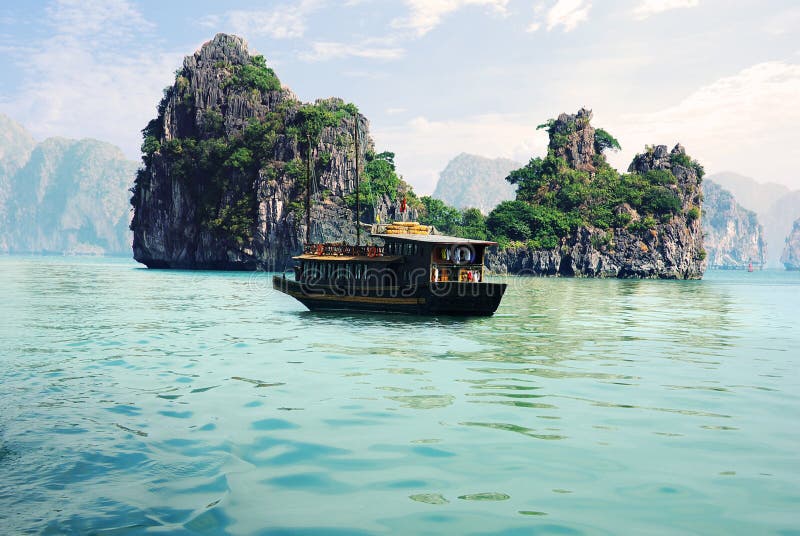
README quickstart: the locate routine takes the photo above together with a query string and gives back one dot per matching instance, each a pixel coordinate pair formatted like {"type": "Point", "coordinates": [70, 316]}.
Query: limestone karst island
{"type": "Point", "coordinates": [224, 180]}
{"type": "Point", "coordinates": [422, 267]}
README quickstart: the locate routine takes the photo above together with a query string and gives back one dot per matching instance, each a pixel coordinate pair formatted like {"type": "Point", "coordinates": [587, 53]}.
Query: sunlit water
{"type": "Point", "coordinates": [202, 402]}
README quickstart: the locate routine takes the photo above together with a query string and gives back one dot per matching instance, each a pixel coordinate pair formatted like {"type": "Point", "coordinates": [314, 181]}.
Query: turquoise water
{"type": "Point", "coordinates": [202, 402]}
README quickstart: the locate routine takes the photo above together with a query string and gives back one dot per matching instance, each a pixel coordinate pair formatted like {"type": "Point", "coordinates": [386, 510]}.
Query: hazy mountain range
{"type": "Point", "coordinates": [777, 207]}
{"type": "Point", "coordinates": [472, 181]}
{"type": "Point", "coordinates": [62, 195]}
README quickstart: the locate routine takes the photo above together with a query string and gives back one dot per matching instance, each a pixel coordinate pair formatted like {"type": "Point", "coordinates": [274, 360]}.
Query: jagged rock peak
{"type": "Point", "coordinates": [223, 47]}
{"type": "Point", "coordinates": [656, 157]}
{"type": "Point", "coordinates": [572, 138]}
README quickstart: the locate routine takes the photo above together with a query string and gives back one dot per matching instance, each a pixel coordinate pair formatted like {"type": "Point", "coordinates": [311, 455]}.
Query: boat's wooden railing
{"type": "Point", "coordinates": [342, 250]}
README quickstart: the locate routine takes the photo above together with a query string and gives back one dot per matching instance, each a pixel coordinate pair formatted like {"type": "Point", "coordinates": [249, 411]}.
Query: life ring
{"type": "Point", "coordinates": [320, 249]}
{"type": "Point", "coordinates": [463, 254]}
{"type": "Point", "coordinates": [372, 251]}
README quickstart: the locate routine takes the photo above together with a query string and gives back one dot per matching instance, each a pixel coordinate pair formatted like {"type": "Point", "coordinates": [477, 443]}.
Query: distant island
{"type": "Point", "coordinates": [791, 251]}
{"type": "Point", "coordinates": [472, 181]}
{"type": "Point", "coordinates": [734, 238]}
{"type": "Point", "coordinates": [775, 205]}
{"type": "Point", "coordinates": [62, 196]}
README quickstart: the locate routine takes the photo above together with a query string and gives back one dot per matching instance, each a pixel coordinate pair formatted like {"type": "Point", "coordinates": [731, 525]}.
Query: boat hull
{"type": "Point", "coordinates": [443, 298]}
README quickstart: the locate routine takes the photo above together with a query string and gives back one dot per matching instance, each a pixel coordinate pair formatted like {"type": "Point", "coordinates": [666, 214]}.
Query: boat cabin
{"type": "Point", "coordinates": [404, 260]}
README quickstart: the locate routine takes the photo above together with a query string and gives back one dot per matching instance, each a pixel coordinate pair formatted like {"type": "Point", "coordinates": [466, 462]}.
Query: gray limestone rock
{"type": "Point", "coordinates": [791, 252]}
{"type": "Point", "coordinates": [208, 101]}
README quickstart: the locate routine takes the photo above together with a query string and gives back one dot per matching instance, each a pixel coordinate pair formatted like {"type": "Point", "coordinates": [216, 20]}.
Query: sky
{"type": "Point", "coordinates": [438, 77]}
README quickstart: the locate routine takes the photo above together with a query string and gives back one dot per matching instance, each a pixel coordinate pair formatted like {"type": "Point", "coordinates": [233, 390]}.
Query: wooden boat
{"type": "Point", "coordinates": [411, 273]}
{"type": "Point", "coordinates": [407, 269]}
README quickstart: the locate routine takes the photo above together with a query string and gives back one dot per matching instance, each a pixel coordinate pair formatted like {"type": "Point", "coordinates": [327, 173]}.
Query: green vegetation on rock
{"type": "Point", "coordinates": [218, 168]}
{"type": "Point", "coordinates": [254, 76]}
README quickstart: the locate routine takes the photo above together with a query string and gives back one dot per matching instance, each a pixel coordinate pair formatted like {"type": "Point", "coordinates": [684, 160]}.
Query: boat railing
{"type": "Point", "coordinates": [465, 273]}
{"type": "Point", "coordinates": [342, 250]}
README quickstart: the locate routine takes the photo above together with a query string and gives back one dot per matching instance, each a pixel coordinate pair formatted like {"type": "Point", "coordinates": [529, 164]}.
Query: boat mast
{"type": "Point", "coordinates": [308, 189]}
{"type": "Point", "coordinates": [358, 193]}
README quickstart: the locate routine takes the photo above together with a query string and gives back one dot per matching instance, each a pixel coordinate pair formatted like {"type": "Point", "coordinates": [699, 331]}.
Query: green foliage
{"type": "Point", "coordinates": [694, 213]}
{"type": "Point", "coordinates": [378, 179]}
{"type": "Point", "coordinates": [212, 124]}
{"type": "Point", "coordinates": [682, 159]}
{"type": "Point", "coordinates": [439, 214]}
{"type": "Point", "coordinates": [295, 170]}
{"type": "Point", "coordinates": [311, 119]}
{"type": "Point", "coordinates": [241, 159]}
{"type": "Point", "coordinates": [644, 224]}
{"type": "Point", "coordinates": [603, 140]}
{"type": "Point", "coordinates": [324, 160]}
{"type": "Point", "coordinates": [472, 225]}
{"type": "Point", "coordinates": [234, 220]}
{"type": "Point", "coordinates": [254, 75]}
{"type": "Point", "coordinates": [538, 225]}
{"type": "Point", "coordinates": [556, 199]}
{"type": "Point", "coordinates": [150, 146]}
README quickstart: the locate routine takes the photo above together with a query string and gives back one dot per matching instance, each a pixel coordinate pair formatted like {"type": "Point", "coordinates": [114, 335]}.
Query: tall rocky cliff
{"type": "Point", "coordinates": [642, 225]}
{"type": "Point", "coordinates": [62, 195]}
{"type": "Point", "coordinates": [776, 205]}
{"type": "Point", "coordinates": [733, 236]}
{"type": "Point", "coordinates": [791, 251]}
{"type": "Point", "coordinates": [223, 183]}
{"type": "Point", "coordinates": [472, 181]}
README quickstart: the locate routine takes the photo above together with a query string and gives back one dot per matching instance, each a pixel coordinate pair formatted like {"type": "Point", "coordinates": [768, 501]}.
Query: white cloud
{"type": "Point", "coordinates": [85, 80]}
{"type": "Point", "coordinates": [92, 18]}
{"type": "Point", "coordinates": [648, 8]}
{"type": "Point", "coordinates": [565, 13]}
{"type": "Point", "coordinates": [533, 27]}
{"type": "Point", "coordinates": [423, 147]}
{"type": "Point", "coordinates": [328, 50]}
{"type": "Point", "coordinates": [745, 122]}
{"type": "Point", "coordinates": [568, 13]}
{"type": "Point", "coordinates": [425, 15]}
{"type": "Point", "coordinates": [286, 21]}
{"type": "Point", "coordinates": [395, 111]}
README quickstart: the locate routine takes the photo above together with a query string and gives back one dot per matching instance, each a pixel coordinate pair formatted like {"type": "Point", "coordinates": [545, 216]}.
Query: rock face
{"type": "Point", "coordinates": [670, 248]}
{"type": "Point", "coordinates": [572, 138]}
{"type": "Point", "coordinates": [244, 212]}
{"type": "Point", "coordinates": [472, 181]}
{"type": "Point", "coordinates": [776, 205]}
{"type": "Point", "coordinates": [733, 236]}
{"type": "Point", "coordinates": [67, 196]}
{"type": "Point", "coordinates": [791, 252]}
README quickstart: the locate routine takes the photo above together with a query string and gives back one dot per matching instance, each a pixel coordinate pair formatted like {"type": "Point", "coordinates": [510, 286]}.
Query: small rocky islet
{"type": "Point", "coordinates": [791, 251]}
{"type": "Point", "coordinates": [223, 183]}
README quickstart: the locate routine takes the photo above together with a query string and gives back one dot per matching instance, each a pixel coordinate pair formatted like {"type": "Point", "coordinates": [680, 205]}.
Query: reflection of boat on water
{"type": "Point", "coordinates": [411, 273]}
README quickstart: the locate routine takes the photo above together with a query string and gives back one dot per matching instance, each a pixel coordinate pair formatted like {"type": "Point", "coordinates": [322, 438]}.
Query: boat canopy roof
{"type": "Point", "coordinates": [434, 239]}
{"type": "Point", "coordinates": [349, 258]}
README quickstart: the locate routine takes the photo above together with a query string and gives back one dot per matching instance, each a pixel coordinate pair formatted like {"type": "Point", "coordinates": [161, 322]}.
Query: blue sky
{"type": "Point", "coordinates": [438, 77]}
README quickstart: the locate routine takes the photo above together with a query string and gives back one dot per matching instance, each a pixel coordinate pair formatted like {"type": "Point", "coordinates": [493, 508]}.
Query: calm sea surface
{"type": "Point", "coordinates": [134, 400]}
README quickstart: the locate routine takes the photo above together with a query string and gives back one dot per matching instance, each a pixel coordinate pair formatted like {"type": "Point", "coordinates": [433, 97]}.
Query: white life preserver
{"type": "Point", "coordinates": [462, 254]}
